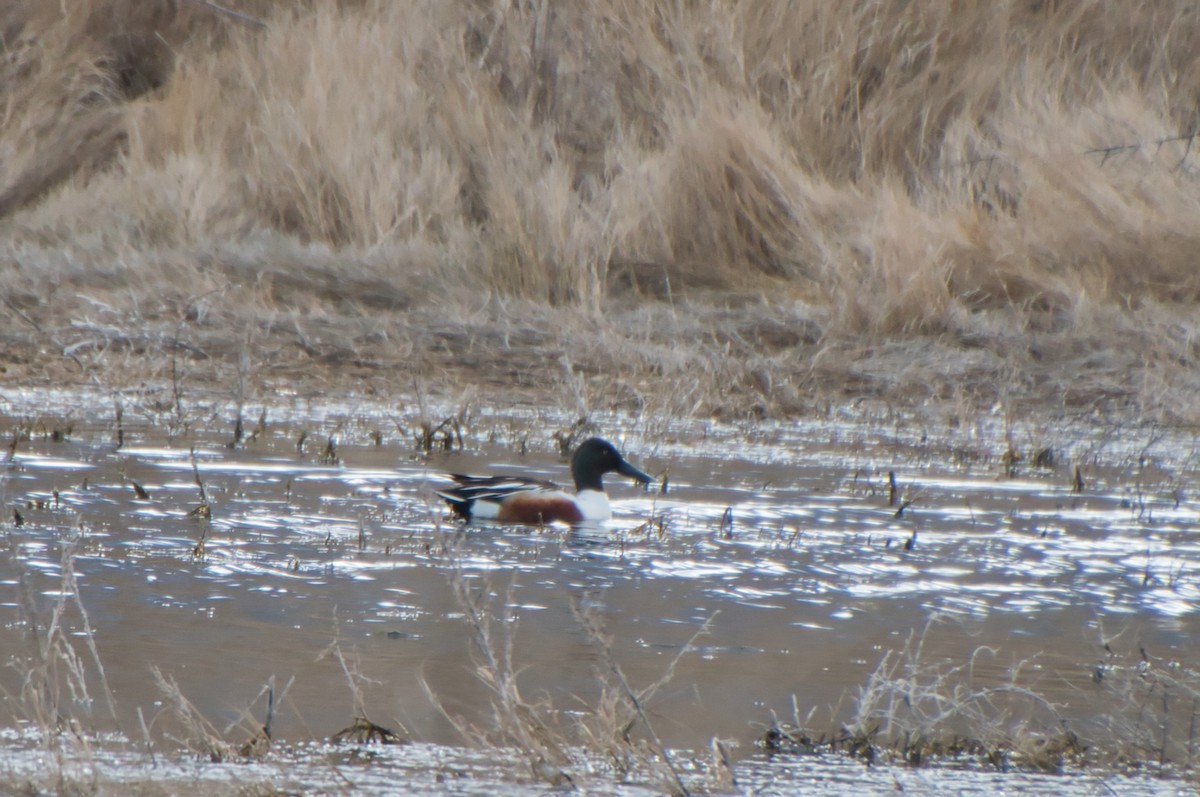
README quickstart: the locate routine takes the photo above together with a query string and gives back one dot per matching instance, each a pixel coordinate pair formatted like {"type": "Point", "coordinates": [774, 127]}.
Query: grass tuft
{"type": "Point", "coordinates": [914, 711]}
{"type": "Point", "coordinates": [614, 728]}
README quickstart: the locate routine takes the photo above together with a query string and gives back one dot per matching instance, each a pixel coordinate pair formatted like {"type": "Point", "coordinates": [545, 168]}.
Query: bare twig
{"type": "Point", "coordinates": [229, 12]}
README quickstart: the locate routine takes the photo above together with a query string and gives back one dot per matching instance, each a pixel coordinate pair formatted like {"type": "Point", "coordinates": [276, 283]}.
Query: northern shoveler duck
{"type": "Point", "coordinates": [516, 499]}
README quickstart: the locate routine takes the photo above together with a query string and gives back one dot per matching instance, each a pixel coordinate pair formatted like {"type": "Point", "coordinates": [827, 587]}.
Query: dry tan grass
{"type": "Point", "coordinates": [1007, 177]}
{"type": "Point", "coordinates": [1142, 714]}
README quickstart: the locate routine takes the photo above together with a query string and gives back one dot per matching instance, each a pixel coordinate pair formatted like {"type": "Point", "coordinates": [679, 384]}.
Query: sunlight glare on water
{"type": "Point", "coordinates": [783, 539]}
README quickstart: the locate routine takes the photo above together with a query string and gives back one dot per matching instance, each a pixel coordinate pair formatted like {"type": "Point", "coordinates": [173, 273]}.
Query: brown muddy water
{"type": "Point", "coordinates": [775, 568]}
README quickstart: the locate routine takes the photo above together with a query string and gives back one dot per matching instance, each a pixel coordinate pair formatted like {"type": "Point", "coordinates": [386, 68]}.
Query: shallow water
{"type": "Point", "coordinates": [775, 543]}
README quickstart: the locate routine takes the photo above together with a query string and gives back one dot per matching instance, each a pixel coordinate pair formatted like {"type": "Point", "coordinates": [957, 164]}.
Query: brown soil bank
{"type": "Point", "coordinates": [707, 207]}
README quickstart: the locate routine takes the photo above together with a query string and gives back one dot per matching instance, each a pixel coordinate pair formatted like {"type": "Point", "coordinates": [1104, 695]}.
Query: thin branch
{"type": "Point", "coordinates": [239, 16]}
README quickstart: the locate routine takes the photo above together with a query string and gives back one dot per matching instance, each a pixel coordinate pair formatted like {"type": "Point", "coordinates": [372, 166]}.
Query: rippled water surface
{"type": "Point", "coordinates": [781, 545]}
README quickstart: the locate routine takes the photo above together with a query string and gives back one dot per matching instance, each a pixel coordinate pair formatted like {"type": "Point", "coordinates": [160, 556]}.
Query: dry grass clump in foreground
{"type": "Point", "coordinates": [1010, 185]}
{"type": "Point", "coordinates": [614, 728]}
{"type": "Point", "coordinates": [1135, 713]}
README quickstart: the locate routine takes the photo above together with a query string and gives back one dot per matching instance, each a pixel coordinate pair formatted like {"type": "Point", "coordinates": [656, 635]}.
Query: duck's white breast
{"type": "Point", "coordinates": [594, 504]}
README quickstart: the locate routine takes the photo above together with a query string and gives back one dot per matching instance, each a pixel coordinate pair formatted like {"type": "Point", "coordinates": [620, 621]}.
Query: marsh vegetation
{"type": "Point", "coordinates": [706, 208]}
{"type": "Point", "coordinates": [899, 300]}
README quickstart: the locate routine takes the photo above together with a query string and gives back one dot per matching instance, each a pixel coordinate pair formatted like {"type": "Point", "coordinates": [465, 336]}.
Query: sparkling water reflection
{"type": "Point", "coordinates": [786, 540]}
